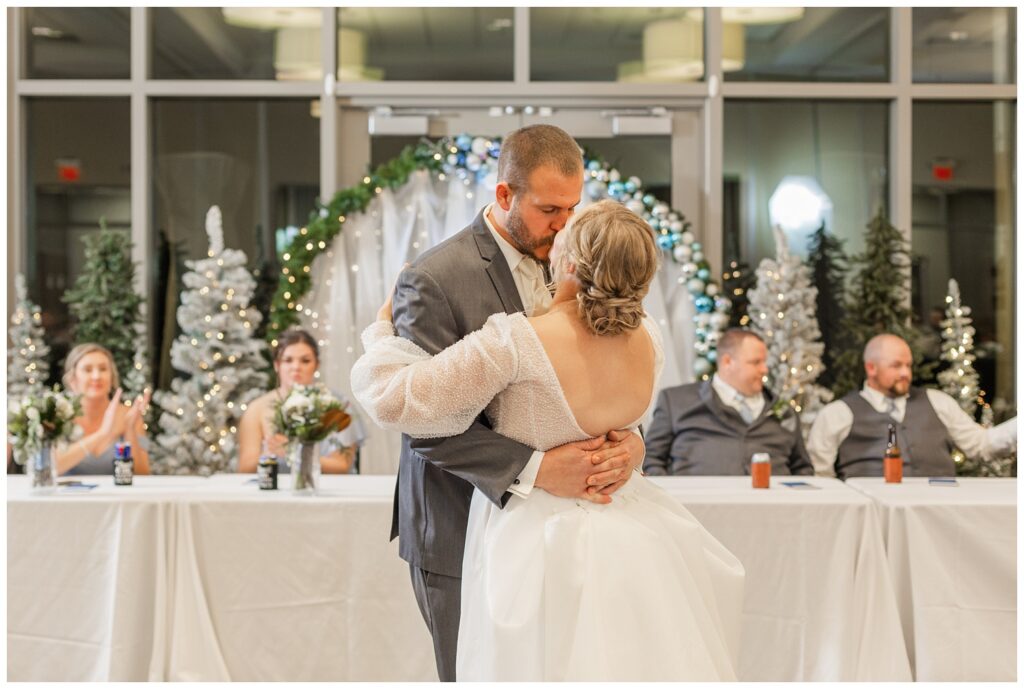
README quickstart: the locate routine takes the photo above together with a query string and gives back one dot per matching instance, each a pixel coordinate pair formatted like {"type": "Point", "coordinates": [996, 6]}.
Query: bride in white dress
{"type": "Point", "coordinates": [557, 588]}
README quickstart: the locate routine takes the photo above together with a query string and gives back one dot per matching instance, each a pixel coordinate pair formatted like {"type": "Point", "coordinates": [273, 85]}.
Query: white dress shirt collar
{"type": "Point", "coordinates": [880, 401]}
{"type": "Point", "coordinates": [730, 396]}
{"type": "Point", "coordinates": [512, 255]}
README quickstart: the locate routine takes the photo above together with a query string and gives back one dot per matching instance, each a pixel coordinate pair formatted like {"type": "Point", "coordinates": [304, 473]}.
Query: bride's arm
{"type": "Point", "coordinates": [403, 388]}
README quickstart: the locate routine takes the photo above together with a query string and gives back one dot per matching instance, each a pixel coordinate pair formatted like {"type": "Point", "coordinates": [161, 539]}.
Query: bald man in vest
{"type": "Point", "coordinates": [849, 435]}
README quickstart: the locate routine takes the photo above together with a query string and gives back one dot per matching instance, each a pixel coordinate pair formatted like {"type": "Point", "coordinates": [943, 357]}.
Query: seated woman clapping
{"type": "Point", "coordinates": [296, 360]}
{"type": "Point", "coordinates": [90, 371]}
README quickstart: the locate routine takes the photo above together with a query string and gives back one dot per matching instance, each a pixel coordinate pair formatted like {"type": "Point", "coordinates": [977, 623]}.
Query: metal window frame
{"type": "Point", "coordinates": [712, 94]}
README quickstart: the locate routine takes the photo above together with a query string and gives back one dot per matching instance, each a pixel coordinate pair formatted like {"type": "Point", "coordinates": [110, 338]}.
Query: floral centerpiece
{"type": "Point", "coordinates": [307, 416]}
{"type": "Point", "coordinates": [35, 424]}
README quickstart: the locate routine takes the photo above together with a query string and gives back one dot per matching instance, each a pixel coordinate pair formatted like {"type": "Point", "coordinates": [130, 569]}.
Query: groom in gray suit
{"type": "Point", "coordinates": [498, 263]}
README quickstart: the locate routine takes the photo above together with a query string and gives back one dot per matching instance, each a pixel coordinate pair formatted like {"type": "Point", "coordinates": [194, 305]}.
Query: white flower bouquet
{"type": "Point", "coordinates": [40, 420]}
{"type": "Point", "coordinates": [309, 414]}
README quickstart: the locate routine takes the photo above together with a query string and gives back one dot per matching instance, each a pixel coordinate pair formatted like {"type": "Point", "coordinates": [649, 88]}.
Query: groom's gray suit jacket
{"type": "Point", "coordinates": [447, 293]}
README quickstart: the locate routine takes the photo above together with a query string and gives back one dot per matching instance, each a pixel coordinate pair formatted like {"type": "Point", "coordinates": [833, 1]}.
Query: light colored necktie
{"type": "Point", "coordinates": [744, 409]}
{"type": "Point", "coordinates": [539, 294]}
{"type": "Point", "coordinates": [890, 408]}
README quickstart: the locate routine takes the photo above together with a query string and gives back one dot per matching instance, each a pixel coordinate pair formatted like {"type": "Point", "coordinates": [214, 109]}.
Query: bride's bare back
{"type": "Point", "coordinates": [608, 381]}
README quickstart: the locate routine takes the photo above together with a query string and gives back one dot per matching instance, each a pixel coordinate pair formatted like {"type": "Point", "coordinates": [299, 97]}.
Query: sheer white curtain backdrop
{"type": "Point", "coordinates": [352, 277]}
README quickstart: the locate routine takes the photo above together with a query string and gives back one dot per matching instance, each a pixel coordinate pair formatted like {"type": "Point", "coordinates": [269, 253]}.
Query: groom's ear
{"type": "Point", "coordinates": [503, 195]}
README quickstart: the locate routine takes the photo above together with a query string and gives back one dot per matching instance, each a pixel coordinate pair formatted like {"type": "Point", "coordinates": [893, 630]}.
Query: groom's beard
{"type": "Point", "coordinates": [520, 235]}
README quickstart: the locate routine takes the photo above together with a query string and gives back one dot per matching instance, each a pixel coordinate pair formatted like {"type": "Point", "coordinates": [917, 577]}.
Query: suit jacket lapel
{"type": "Point", "coordinates": [726, 414]}
{"type": "Point", "coordinates": [497, 267]}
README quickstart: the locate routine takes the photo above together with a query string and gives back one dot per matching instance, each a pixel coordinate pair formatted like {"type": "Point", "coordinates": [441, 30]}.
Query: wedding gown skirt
{"type": "Point", "coordinates": [555, 589]}
{"type": "Point", "coordinates": [552, 588]}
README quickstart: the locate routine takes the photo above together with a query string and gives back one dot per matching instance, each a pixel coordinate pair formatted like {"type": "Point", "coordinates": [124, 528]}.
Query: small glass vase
{"type": "Point", "coordinates": [42, 470]}
{"type": "Point", "coordinates": [304, 461]}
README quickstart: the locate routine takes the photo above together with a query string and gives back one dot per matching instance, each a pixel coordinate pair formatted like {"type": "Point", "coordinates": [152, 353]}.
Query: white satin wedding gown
{"type": "Point", "coordinates": [555, 588]}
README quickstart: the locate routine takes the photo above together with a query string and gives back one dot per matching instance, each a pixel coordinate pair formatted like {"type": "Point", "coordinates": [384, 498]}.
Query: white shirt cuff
{"type": "Point", "coordinates": [523, 483]}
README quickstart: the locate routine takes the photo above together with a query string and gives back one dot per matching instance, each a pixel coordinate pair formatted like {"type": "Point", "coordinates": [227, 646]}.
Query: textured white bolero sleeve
{"type": "Point", "coordinates": [403, 388]}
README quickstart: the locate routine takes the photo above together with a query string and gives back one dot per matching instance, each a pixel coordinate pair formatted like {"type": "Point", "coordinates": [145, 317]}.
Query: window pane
{"type": "Point", "coordinates": [78, 172]}
{"type": "Point", "coordinates": [965, 44]}
{"type": "Point", "coordinates": [425, 44]}
{"type": "Point", "coordinates": [627, 44]}
{"type": "Point", "coordinates": [259, 160]}
{"type": "Point", "coordinates": [236, 42]}
{"type": "Point", "coordinates": [810, 43]}
{"type": "Point", "coordinates": [69, 43]}
{"type": "Point", "coordinates": [964, 217]}
{"type": "Point", "coordinates": [829, 157]}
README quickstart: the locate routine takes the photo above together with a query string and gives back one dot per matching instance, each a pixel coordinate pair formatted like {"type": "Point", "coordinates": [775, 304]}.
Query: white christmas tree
{"type": "Point", "coordinates": [783, 311]}
{"type": "Point", "coordinates": [27, 367]}
{"type": "Point", "coordinates": [218, 351]}
{"type": "Point", "coordinates": [960, 380]}
{"type": "Point", "coordinates": [136, 380]}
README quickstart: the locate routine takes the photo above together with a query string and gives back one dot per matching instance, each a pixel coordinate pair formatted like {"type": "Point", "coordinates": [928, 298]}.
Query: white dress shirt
{"type": "Point", "coordinates": [834, 421]}
{"type": "Point", "coordinates": [529, 279]}
{"type": "Point", "coordinates": [731, 397]}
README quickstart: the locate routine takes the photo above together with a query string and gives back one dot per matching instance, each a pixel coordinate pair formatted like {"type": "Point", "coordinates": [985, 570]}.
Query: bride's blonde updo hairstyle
{"type": "Point", "coordinates": [616, 257]}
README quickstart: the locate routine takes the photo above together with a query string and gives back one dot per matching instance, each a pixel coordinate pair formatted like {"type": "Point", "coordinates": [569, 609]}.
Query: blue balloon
{"type": "Point", "coordinates": [704, 304]}
{"type": "Point", "coordinates": [494, 150]}
{"type": "Point", "coordinates": [649, 199]}
{"type": "Point", "coordinates": [695, 246]}
{"type": "Point", "coordinates": [712, 355]}
{"type": "Point", "coordinates": [460, 159]}
{"type": "Point", "coordinates": [676, 238]}
{"type": "Point", "coordinates": [463, 142]}
{"type": "Point", "coordinates": [594, 165]}
{"type": "Point", "coordinates": [665, 241]}
{"type": "Point", "coordinates": [704, 274]}
{"type": "Point", "coordinates": [616, 189]}
{"type": "Point", "coordinates": [630, 187]}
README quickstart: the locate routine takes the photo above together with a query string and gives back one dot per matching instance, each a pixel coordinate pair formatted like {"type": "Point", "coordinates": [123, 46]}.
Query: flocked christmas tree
{"type": "Point", "coordinates": [877, 301]}
{"type": "Point", "coordinates": [27, 366]}
{"type": "Point", "coordinates": [828, 269]}
{"type": "Point", "coordinates": [960, 380]}
{"type": "Point", "coordinates": [782, 311]}
{"type": "Point", "coordinates": [221, 356]}
{"type": "Point", "coordinates": [103, 300]}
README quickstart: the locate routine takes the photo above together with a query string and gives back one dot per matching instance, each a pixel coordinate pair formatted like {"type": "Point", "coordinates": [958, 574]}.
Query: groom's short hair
{"type": "Point", "coordinates": [528, 148]}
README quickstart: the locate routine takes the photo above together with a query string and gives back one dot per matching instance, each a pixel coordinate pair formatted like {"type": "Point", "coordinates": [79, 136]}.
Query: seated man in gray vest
{"type": "Point", "coordinates": [713, 427]}
{"type": "Point", "coordinates": [849, 435]}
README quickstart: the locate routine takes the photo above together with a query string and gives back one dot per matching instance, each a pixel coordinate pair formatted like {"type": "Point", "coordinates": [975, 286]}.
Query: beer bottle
{"type": "Point", "coordinates": [893, 462]}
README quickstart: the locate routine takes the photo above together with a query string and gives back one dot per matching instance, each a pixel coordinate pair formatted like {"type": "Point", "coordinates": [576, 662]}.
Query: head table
{"type": "Point", "coordinates": [188, 578]}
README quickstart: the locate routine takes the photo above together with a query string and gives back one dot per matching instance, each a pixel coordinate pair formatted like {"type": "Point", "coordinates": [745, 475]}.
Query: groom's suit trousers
{"type": "Point", "coordinates": [439, 599]}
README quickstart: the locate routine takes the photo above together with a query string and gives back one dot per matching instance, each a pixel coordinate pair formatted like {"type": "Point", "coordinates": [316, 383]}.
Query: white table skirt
{"type": "Point", "coordinates": [952, 552]}
{"type": "Point", "coordinates": [212, 579]}
{"type": "Point", "coordinates": [819, 603]}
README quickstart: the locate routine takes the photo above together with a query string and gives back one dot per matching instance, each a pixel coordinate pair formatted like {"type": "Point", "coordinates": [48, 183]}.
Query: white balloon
{"type": "Point", "coordinates": [682, 253]}
{"type": "Point", "coordinates": [479, 146]}
{"type": "Point", "coordinates": [688, 237]}
{"type": "Point", "coordinates": [711, 289]}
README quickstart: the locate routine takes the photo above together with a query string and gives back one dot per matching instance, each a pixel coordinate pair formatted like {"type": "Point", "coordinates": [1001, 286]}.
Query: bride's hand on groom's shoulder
{"type": "Point", "coordinates": [384, 312]}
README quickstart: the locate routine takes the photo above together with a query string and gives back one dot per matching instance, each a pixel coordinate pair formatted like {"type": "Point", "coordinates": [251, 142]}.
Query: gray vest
{"type": "Point", "coordinates": [924, 442]}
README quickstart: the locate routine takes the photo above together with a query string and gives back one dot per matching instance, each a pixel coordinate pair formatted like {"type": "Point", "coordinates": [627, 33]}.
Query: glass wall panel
{"type": "Point", "coordinates": [280, 43]}
{"type": "Point", "coordinates": [259, 160]}
{"type": "Point", "coordinates": [77, 43]}
{"type": "Point", "coordinates": [809, 43]}
{"type": "Point", "coordinates": [78, 172]}
{"type": "Point", "coordinates": [798, 164]}
{"type": "Point", "coordinates": [965, 44]}
{"type": "Point", "coordinates": [425, 44]}
{"type": "Point", "coordinates": [964, 215]}
{"type": "Point", "coordinates": [625, 44]}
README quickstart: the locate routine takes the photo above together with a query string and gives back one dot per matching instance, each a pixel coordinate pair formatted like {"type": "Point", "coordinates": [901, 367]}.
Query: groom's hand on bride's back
{"type": "Point", "coordinates": [610, 473]}
{"type": "Point", "coordinates": [565, 470]}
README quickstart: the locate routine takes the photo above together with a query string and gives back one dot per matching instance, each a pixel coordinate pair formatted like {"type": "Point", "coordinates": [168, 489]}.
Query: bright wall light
{"type": "Point", "coordinates": [799, 205]}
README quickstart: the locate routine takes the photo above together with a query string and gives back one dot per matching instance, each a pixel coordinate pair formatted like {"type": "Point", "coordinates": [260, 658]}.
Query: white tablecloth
{"type": "Point", "coordinates": [212, 579]}
{"type": "Point", "coordinates": [952, 551]}
{"type": "Point", "coordinates": [819, 603]}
